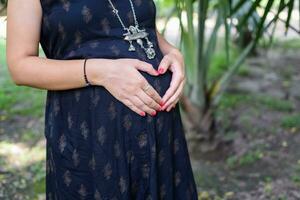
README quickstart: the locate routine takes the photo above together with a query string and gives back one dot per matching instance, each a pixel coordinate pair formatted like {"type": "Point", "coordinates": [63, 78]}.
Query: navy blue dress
{"type": "Point", "coordinates": [98, 148]}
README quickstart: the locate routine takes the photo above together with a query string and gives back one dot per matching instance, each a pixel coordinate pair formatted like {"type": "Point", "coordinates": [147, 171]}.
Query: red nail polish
{"type": "Point", "coordinates": [161, 103]}
{"type": "Point", "coordinates": [143, 113]}
{"type": "Point", "coordinates": [160, 70]}
{"type": "Point", "coordinates": [153, 113]}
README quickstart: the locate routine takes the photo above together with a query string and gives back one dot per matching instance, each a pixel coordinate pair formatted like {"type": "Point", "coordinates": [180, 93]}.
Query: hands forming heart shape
{"type": "Point", "coordinates": [135, 92]}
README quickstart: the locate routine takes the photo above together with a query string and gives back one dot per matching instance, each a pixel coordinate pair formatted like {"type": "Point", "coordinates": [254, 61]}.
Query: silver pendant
{"type": "Point", "coordinates": [135, 34]}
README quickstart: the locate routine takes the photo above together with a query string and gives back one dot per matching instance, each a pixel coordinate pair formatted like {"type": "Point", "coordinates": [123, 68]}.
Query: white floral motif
{"type": "Point", "coordinates": [112, 110]}
{"type": "Point", "coordinates": [149, 119]}
{"type": "Point", "coordinates": [145, 170]}
{"type": "Point", "coordinates": [49, 167]}
{"type": "Point", "coordinates": [92, 163]}
{"type": "Point", "coordinates": [50, 196]}
{"type": "Point", "coordinates": [142, 139]}
{"type": "Point", "coordinates": [78, 37]}
{"type": "Point", "coordinates": [87, 15]}
{"type": "Point", "coordinates": [95, 98]}
{"type": "Point", "coordinates": [56, 107]}
{"type": "Point", "coordinates": [82, 191]}
{"type": "Point", "coordinates": [130, 17]}
{"type": "Point", "coordinates": [67, 177]}
{"type": "Point", "coordinates": [61, 30]}
{"type": "Point", "coordinates": [153, 151]}
{"type": "Point", "coordinates": [46, 21]}
{"type": "Point", "coordinates": [177, 178]}
{"type": "Point", "coordinates": [130, 156]}
{"type": "Point", "coordinates": [115, 49]}
{"type": "Point", "coordinates": [75, 157]}
{"type": "Point", "coordinates": [94, 44]}
{"type": "Point", "coordinates": [97, 195]}
{"type": "Point", "coordinates": [127, 122]}
{"type": "Point", "coordinates": [84, 129]}
{"type": "Point", "coordinates": [77, 95]}
{"type": "Point", "coordinates": [117, 149]}
{"type": "Point", "coordinates": [62, 143]}
{"type": "Point", "coordinates": [159, 123]}
{"type": "Point", "coordinates": [101, 135]}
{"type": "Point", "coordinates": [122, 184]}
{"type": "Point", "coordinates": [105, 25]}
{"type": "Point", "coordinates": [66, 5]}
{"type": "Point", "coordinates": [107, 171]}
{"type": "Point", "coordinates": [70, 120]}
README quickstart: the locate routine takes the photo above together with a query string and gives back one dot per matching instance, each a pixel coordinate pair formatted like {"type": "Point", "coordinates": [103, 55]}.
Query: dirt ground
{"type": "Point", "coordinates": [259, 118]}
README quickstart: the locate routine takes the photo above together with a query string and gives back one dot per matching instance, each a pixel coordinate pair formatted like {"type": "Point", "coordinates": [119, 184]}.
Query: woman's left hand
{"type": "Point", "coordinates": [173, 61]}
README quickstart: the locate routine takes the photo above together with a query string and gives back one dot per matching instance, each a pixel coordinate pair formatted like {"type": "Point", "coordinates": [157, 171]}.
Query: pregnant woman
{"type": "Point", "coordinates": [112, 120]}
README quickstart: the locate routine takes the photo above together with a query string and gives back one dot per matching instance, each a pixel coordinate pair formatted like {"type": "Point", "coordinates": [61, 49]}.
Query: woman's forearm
{"type": "Point", "coordinates": [51, 74]}
{"type": "Point", "coordinates": [164, 45]}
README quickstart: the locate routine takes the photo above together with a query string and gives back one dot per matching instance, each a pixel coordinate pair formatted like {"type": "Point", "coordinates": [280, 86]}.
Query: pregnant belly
{"type": "Point", "coordinates": [85, 99]}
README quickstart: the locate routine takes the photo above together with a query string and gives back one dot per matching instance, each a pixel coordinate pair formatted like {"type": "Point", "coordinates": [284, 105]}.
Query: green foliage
{"type": "Point", "coordinates": [209, 72]}
{"type": "Point", "coordinates": [247, 159]}
{"type": "Point", "coordinates": [292, 121]}
{"type": "Point", "coordinates": [272, 103]}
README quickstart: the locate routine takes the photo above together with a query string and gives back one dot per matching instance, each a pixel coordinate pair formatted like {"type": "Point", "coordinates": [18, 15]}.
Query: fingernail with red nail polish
{"type": "Point", "coordinates": [161, 103]}
{"type": "Point", "coordinates": [160, 70]}
{"type": "Point", "coordinates": [143, 113]}
{"type": "Point", "coordinates": [153, 113]}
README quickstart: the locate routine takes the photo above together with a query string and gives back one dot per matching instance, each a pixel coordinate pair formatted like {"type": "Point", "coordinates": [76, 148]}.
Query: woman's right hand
{"type": "Point", "coordinates": [123, 80]}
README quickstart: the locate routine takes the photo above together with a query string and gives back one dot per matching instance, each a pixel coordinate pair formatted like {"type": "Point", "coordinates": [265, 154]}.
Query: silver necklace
{"type": "Point", "coordinates": [134, 33]}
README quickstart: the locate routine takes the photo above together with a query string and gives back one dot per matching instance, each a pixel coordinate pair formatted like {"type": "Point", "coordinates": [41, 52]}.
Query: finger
{"type": "Point", "coordinates": [141, 105]}
{"type": "Point", "coordinates": [151, 92]}
{"type": "Point", "coordinates": [164, 64]}
{"type": "Point", "coordinates": [146, 67]}
{"type": "Point", "coordinates": [134, 108]}
{"type": "Point", "coordinates": [173, 105]}
{"type": "Point", "coordinates": [175, 82]}
{"type": "Point", "coordinates": [174, 97]}
{"type": "Point", "coordinates": [149, 101]}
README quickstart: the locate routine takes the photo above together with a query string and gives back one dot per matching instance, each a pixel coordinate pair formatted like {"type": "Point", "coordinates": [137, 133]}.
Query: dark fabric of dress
{"type": "Point", "coordinates": [97, 148]}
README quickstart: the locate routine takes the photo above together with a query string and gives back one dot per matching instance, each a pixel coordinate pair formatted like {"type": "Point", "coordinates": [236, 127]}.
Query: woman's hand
{"type": "Point", "coordinates": [123, 80]}
{"type": "Point", "coordinates": [173, 61]}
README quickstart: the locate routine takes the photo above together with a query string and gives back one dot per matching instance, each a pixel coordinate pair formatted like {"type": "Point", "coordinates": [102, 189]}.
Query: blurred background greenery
{"type": "Point", "coordinates": [241, 106]}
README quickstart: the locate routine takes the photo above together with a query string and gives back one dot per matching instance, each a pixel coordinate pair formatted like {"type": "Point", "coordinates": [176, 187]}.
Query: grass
{"type": "Point", "coordinates": [290, 44]}
{"type": "Point", "coordinates": [18, 100]}
{"type": "Point", "coordinates": [272, 103]}
{"type": "Point", "coordinates": [219, 63]}
{"type": "Point", "coordinates": [247, 159]}
{"type": "Point", "coordinates": [292, 121]}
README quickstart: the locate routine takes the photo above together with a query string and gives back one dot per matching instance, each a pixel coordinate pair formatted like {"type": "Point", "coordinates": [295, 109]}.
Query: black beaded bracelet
{"type": "Point", "coordinates": [84, 71]}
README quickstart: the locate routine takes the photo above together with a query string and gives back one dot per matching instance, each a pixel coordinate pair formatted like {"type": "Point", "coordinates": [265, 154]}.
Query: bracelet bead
{"type": "Point", "coordinates": [84, 72]}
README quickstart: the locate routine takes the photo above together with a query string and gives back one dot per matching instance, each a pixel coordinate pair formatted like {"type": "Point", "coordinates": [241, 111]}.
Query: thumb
{"type": "Point", "coordinates": [164, 65]}
{"type": "Point", "coordinates": [146, 67]}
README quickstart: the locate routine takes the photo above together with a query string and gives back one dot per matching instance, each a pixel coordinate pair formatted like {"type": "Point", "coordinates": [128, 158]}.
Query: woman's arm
{"type": "Point", "coordinates": [25, 67]}
{"type": "Point", "coordinates": [28, 69]}
{"type": "Point", "coordinates": [164, 45]}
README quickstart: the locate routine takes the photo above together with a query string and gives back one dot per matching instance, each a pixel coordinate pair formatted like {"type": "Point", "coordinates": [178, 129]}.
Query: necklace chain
{"type": "Point", "coordinates": [116, 12]}
{"type": "Point", "coordinates": [133, 33]}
